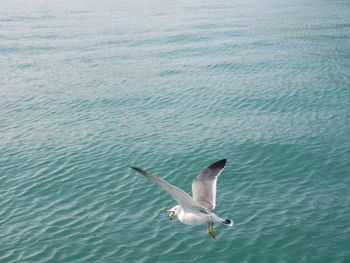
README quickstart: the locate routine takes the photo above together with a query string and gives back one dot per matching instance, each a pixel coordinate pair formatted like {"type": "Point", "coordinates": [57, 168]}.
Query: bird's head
{"type": "Point", "coordinates": [173, 211]}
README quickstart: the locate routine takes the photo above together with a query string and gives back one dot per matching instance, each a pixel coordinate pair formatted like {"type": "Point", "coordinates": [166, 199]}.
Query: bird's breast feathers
{"type": "Point", "coordinates": [194, 219]}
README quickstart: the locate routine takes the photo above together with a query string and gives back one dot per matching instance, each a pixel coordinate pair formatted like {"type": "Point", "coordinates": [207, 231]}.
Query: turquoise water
{"type": "Point", "coordinates": [91, 87]}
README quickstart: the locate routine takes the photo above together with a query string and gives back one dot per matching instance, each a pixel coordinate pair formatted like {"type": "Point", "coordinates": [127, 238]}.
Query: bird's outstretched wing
{"type": "Point", "coordinates": [179, 195]}
{"type": "Point", "coordinates": [204, 185]}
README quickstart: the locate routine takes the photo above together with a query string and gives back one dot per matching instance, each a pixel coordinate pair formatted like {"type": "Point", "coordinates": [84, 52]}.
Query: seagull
{"type": "Point", "coordinates": [195, 210]}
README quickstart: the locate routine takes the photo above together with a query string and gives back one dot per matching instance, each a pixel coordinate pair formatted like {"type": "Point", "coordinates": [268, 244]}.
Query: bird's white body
{"type": "Point", "coordinates": [192, 218]}
{"type": "Point", "coordinates": [195, 216]}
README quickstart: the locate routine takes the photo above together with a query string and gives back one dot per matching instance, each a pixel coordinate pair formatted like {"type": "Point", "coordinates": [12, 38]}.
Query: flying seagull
{"type": "Point", "coordinates": [195, 210]}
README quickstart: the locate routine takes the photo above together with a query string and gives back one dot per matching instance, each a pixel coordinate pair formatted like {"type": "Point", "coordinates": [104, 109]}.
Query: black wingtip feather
{"type": "Point", "coordinates": [218, 165]}
{"type": "Point", "coordinates": [138, 170]}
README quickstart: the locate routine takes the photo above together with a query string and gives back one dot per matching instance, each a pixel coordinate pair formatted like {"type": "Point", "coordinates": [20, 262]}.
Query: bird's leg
{"type": "Point", "coordinates": [210, 230]}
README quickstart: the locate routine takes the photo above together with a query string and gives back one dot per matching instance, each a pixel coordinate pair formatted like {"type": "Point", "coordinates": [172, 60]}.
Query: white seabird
{"type": "Point", "coordinates": [195, 210]}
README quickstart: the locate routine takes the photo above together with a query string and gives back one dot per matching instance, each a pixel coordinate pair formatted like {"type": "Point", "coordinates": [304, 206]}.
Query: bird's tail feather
{"type": "Point", "coordinates": [228, 222]}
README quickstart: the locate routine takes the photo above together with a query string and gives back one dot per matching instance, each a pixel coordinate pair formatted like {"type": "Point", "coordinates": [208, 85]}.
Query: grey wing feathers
{"type": "Point", "coordinates": [179, 195]}
{"type": "Point", "coordinates": [204, 185]}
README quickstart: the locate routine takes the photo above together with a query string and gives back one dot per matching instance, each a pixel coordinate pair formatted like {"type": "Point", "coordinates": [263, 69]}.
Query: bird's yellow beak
{"type": "Point", "coordinates": [171, 213]}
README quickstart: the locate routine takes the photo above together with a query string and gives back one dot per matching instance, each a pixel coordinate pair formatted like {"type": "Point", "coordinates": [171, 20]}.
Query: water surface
{"type": "Point", "coordinates": [90, 87]}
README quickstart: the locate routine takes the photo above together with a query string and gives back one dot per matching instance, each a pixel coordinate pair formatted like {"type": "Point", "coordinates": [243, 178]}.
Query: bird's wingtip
{"type": "Point", "coordinates": [138, 170]}
{"type": "Point", "coordinates": [218, 164]}
{"type": "Point", "coordinates": [135, 168]}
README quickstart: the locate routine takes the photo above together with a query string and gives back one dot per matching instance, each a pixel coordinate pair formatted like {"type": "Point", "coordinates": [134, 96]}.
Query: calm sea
{"type": "Point", "coordinates": [88, 88]}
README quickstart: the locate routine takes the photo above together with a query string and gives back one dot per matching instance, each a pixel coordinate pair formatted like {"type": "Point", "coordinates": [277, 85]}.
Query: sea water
{"type": "Point", "coordinates": [88, 88]}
